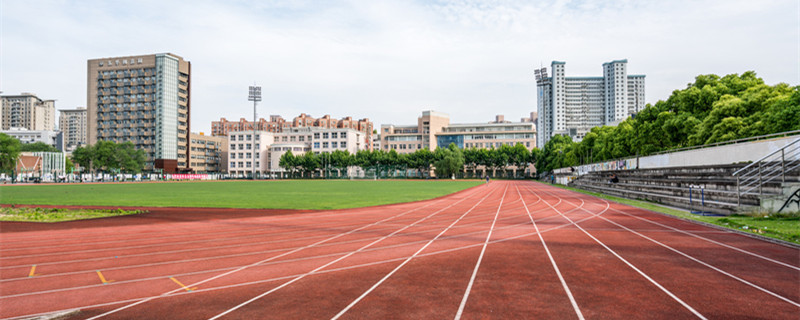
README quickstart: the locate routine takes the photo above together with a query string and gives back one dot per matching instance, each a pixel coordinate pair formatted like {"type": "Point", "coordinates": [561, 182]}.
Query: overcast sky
{"type": "Point", "coordinates": [390, 60]}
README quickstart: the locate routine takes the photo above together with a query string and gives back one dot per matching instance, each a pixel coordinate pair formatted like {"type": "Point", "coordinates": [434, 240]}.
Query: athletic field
{"type": "Point", "coordinates": [268, 194]}
{"type": "Point", "coordinates": [507, 250]}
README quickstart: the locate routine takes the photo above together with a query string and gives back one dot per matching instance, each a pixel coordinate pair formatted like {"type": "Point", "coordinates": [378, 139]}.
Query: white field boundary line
{"type": "Point", "coordinates": [354, 302]}
{"type": "Point", "coordinates": [153, 245]}
{"type": "Point", "coordinates": [464, 235]}
{"type": "Point", "coordinates": [694, 234]}
{"type": "Point", "coordinates": [249, 232]}
{"type": "Point", "coordinates": [594, 215]}
{"type": "Point", "coordinates": [553, 261]}
{"type": "Point", "coordinates": [265, 260]}
{"type": "Point", "coordinates": [246, 233]}
{"type": "Point", "coordinates": [640, 272]}
{"type": "Point", "coordinates": [705, 264]}
{"type": "Point", "coordinates": [247, 222]}
{"type": "Point", "coordinates": [298, 278]}
{"type": "Point", "coordinates": [91, 270]}
{"type": "Point", "coordinates": [480, 258]}
{"type": "Point", "coordinates": [250, 224]}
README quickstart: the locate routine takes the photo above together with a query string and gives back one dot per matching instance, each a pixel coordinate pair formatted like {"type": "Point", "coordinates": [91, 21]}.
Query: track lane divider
{"type": "Point", "coordinates": [352, 304]}
{"type": "Point", "coordinates": [640, 272]}
{"type": "Point", "coordinates": [480, 258]}
{"type": "Point", "coordinates": [334, 261]}
{"type": "Point", "coordinates": [552, 261]}
{"type": "Point", "coordinates": [146, 299]}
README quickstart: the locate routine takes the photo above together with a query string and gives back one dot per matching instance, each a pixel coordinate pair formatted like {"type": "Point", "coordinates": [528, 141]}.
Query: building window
{"type": "Point", "coordinates": [316, 135]}
{"type": "Point", "coordinates": [324, 135]}
{"type": "Point", "coordinates": [343, 144]}
{"type": "Point", "coordinates": [301, 138]}
{"type": "Point", "coordinates": [325, 144]}
{"type": "Point", "coordinates": [334, 135]}
{"type": "Point", "coordinates": [344, 135]}
{"type": "Point", "coordinates": [334, 145]}
{"type": "Point", "coordinates": [316, 145]}
{"type": "Point", "coordinates": [249, 146]}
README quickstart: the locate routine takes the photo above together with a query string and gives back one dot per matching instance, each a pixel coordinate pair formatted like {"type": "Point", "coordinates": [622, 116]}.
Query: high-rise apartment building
{"type": "Point", "coordinates": [277, 124]}
{"type": "Point", "coordinates": [27, 111]}
{"type": "Point", "coordinates": [72, 123]}
{"type": "Point", "coordinates": [574, 105]}
{"type": "Point", "coordinates": [145, 100]}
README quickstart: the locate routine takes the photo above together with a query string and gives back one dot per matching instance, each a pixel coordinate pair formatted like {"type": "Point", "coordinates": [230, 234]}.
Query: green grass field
{"type": "Point", "coordinates": [58, 214]}
{"type": "Point", "coordinates": [283, 194]}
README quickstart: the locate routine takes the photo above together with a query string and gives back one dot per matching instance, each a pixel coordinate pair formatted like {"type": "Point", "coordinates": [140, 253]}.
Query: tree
{"type": "Point", "coordinates": [449, 161]}
{"type": "Point", "coordinates": [109, 156]}
{"type": "Point", "coordinates": [288, 161]}
{"type": "Point", "coordinates": [9, 152]}
{"type": "Point", "coordinates": [37, 147]}
{"type": "Point", "coordinates": [421, 160]}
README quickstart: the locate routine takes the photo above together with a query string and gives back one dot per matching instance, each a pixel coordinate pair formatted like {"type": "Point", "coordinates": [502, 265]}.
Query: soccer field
{"type": "Point", "coordinates": [284, 194]}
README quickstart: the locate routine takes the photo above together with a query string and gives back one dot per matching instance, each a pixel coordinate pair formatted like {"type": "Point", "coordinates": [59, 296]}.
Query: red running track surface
{"type": "Point", "coordinates": [505, 250]}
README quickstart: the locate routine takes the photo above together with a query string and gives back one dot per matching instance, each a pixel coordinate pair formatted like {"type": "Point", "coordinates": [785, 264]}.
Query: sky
{"type": "Point", "coordinates": [390, 60]}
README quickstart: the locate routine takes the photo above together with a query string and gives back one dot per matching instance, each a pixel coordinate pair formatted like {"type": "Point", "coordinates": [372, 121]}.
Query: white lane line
{"type": "Point", "coordinates": [711, 240]}
{"type": "Point", "coordinates": [332, 262]}
{"type": "Point", "coordinates": [673, 296]}
{"type": "Point", "coordinates": [705, 264]}
{"type": "Point", "coordinates": [443, 251]}
{"type": "Point", "coordinates": [553, 261]}
{"type": "Point", "coordinates": [480, 258]}
{"type": "Point", "coordinates": [354, 302]}
{"type": "Point", "coordinates": [265, 260]}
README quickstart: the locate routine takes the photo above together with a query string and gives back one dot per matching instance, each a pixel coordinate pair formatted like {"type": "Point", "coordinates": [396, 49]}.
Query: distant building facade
{"type": "Point", "coordinates": [208, 154]}
{"type": "Point", "coordinates": [72, 124]}
{"type": "Point", "coordinates": [434, 129]}
{"type": "Point", "coordinates": [145, 100]}
{"type": "Point", "coordinates": [270, 146]}
{"type": "Point", "coordinates": [277, 124]}
{"type": "Point", "coordinates": [27, 111]}
{"type": "Point", "coordinates": [574, 105]}
{"type": "Point", "coordinates": [25, 136]}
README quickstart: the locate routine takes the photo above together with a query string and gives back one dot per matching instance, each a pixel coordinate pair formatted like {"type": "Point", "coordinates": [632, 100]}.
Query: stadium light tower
{"type": "Point", "coordinates": [255, 96]}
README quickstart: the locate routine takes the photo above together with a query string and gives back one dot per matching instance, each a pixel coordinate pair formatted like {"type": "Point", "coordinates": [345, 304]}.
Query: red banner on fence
{"type": "Point", "coordinates": [185, 176]}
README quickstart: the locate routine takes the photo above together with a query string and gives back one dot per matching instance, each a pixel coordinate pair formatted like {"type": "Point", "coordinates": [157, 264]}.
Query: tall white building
{"type": "Point", "coordinates": [574, 105]}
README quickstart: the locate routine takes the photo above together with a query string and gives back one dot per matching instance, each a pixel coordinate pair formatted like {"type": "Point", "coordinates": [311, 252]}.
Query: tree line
{"type": "Point", "coordinates": [109, 156]}
{"type": "Point", "coordinates": [444, 162]}
{"type": "Point", "coordinates": [711, 109]}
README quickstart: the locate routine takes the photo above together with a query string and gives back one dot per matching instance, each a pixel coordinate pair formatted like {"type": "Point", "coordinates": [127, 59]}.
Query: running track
{"type": "Point", "coordinates": [505, 250]}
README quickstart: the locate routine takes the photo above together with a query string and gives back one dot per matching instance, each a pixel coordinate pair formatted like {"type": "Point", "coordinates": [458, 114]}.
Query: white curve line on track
{"type": "Point", "coordinates": [91, 270]}
{"type": "Point", "coordinates": [354, 302]}
{"type": "Point", "coordinates": [250, 253]}
{"type": "Point", "coordinates": [262, 261]}
{"type": "Point", "coordinates": [594, 215]}
{"type": "Point", "coordinates": [332, 262]}
{"type": "Point", "coordinates": [552, 261]}
{"type": "Point", "coordinates": [705, 264]}
{"type": "Point", "coordinates": [711, 240]}
{"type": "Point", "coordinates": [640, 272]}
{"type": "Point", "coordinates": [480, 258]}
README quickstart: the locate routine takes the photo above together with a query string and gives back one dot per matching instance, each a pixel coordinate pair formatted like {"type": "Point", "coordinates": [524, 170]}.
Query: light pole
{"type": "Point", "coordinates": [255, 96]}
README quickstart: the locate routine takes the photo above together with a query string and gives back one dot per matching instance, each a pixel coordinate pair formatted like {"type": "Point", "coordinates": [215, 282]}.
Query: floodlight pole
{"type": "Point", "coordinates": [255, 96]}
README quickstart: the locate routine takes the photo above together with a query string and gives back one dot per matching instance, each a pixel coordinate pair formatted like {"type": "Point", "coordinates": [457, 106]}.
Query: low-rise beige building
{"type": "Point", "coordinates": [434, 130]}
{"type": "Point", "coordinates": [208, 154]}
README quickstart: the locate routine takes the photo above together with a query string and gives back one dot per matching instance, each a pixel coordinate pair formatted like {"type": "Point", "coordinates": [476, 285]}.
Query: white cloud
{"type": "Point", "coordinates": [389, 60]}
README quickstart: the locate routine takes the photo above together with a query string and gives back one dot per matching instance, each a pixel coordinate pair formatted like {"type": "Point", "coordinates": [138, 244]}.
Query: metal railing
{"type": "Point", "coordinates": [722, 143]}
{"type": "Point", "coordinates": [752, 178]}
